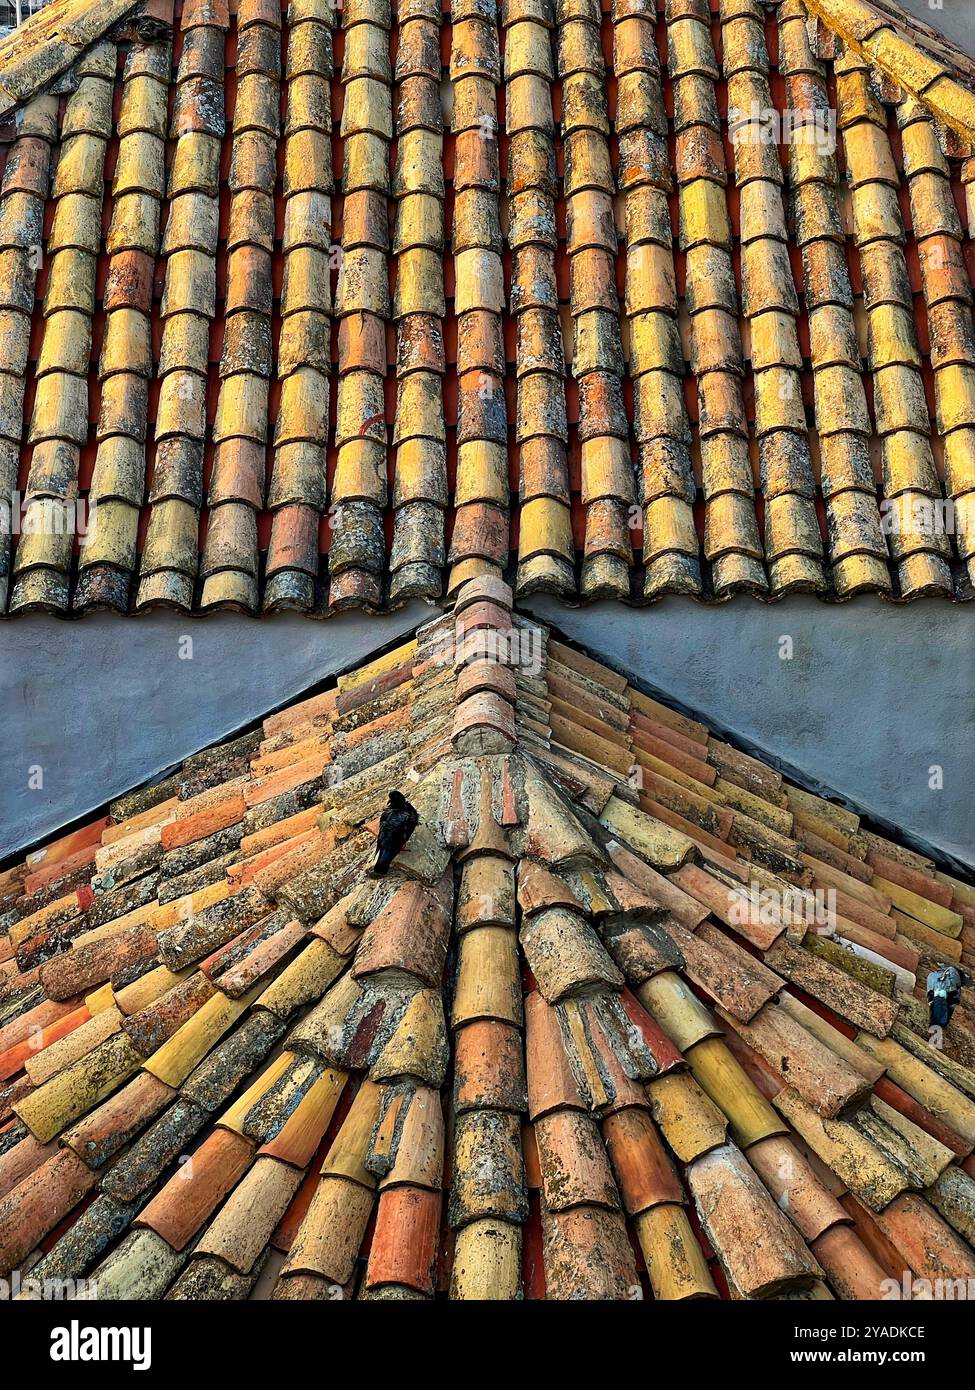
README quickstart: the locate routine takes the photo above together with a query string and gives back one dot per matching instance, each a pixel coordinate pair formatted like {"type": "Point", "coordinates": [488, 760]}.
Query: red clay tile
{"type": "Point", "coordinates": [480, 676]}
{"type": "Point", "coordinates": [38, 1203]}
{"type": "Point", "coordinates": [823, 1080]}
{"type": "Point", "coordinates": [60, 869]}
{"type": "Point", "coordinates": [104, 1130]}
{"type": "Point", "coordinates": [851, 1269]}
{"type": "Point", "coordinates": [78, 970]}
{"type": "Point", "coordinates": [551, 1084]}
{"type": "Point", "coordinates": [795, 1186]}
{"type": "Point", "coordinates": [181, 1208]}
{"type": "Point", "coordinates": [405, 1239]}
{"type": "Point", "coordinates": [34, 1021]}
{"type": "Point", "coordinates": [409, 934]}
{"type": "Point", "coordinates": [489, 1067]}
{"type": "Point", "coordinates": [67, 845]}
{"type": "Point", "coordinates": [928, 1244]}
{"type": "Point", "coordinates": [538, 889]}
{"type": "Point", "coordinates": [22, 1159]}
{"type": "Point", "coordinates": [483, 712]}
{"type": "Point", "coordinates": [664, 1053]}
{"type": "Point", "coordinates": [645, 1173]}
{"type": "Point", "coordinates": [198, 826]}
{"type": "Point", "coordinates": [12, 1060]}
{"type": "Point", "coordinates": [574, 1166]}
{"type": "Point", "coordinates": [150, 1027]}
{"type": "Point", "coordinates": [587, 1255]}
{"type": "Point", "coordinates": [760, 1250]}
{"type": "Point", "coordinates": [919, 1115]}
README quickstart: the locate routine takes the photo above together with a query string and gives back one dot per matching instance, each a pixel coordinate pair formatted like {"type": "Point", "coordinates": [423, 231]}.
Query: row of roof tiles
{"type": "Point", "coordinates": [586, 1040]}
{"type": "Point", "coordinates": [554, 316]}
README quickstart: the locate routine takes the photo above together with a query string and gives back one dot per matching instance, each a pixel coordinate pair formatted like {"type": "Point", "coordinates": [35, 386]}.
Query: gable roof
{"type": "Point", "coordinates": [38, 51]}
{"type": "Point", "coordinates": [293, 324]}
{"type": "Point", "coordinates": [631, 1013]}
{"type": "Point", "coordinates": [920, 61]}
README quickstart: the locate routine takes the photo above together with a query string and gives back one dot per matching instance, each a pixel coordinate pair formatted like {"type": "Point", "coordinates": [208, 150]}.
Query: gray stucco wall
{"type": "Point", "coordinates": [954, 18]}
{"type": "Point", "coordinates": [873, 698]}
{"type": "Point", "coordinates": [102, 705]}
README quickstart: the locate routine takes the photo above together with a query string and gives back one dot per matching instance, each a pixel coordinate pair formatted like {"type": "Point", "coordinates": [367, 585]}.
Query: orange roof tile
{"type": "Point", "coordinates": [283, 349]}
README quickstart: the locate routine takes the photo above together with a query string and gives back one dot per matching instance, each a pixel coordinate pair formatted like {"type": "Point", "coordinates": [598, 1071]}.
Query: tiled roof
{"type": "Point", "coordinates": [39, 51]}
{"type": "Point", "coordinates": [548, 1055]}
{"type": "Point", "coordinates": [334, 307]}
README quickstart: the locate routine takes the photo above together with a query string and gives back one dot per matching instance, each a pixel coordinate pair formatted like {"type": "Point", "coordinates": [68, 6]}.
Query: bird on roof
{"type": "Point", "coordinates": [944, 992]}
{"type": "Point", "coordinates": [396, 825]}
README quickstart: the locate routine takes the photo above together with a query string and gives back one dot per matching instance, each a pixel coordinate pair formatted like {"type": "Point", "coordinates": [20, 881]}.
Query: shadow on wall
{"type": "Point", "coordinates": [94, 707]}
{"type": "Point", "coordinates": [866, 700]}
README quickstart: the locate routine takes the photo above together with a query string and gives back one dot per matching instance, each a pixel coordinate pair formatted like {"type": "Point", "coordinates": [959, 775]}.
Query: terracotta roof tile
{"type": "Point", "coordinates": [574, 1164]}
{"type": "Point", "coordinates": [36, 1204]}
{"type": "Point", "coordinates": [587, 1255]}
{"type": "Point", "coordinates": [103, 1131]}
{"type": "Point", "coordinates": [733, 1090]}
{"type": "Point", "coordinates": [487, 1261]}
{"type": "Point", "coordinates": [489, 1068]}
{"type": "Point", "coordinates": [69, 1049]}
{"type": "Point", "coordinates": [725, 970]}
{"type": "Point", "coordinates": [851, 1268]}
{"type": "Point", "coordinates": [141, 1266]}
{"type": "Point", "coordinates": [868, 1173]}
{"type": "Point", "coordinates": [332, 1231]}
{"type": "Point", "coordinates": [795, 1186]}
{"type": "Point", "coordinates": [243, 1225]}
{"type": "Point", "coordinates": [257, 481]}
{"type": "Point", "coordinates": [920, 1079]}
{"type": "Point", "coordinates": [68, 1095]}
{"type": "Point", "coordinates": [409, 934]}
{"type": "Point", "coordinates": [736, 1212]}
{"type": "Point", "coordinates": [551, 1083]}
{"type": "Point", "coordinates": [179, 1210]}
{"type": "Point", "coordinates": [927, 1243]}
{"type": "Point", "coordinates": [820, 1077]}
{"type": "Point", "coordinates": [565, 955]}
{"type": "Point", "coordinates": [643, 1170]}
{"type": "Point", "coordinates": [688, 1119]}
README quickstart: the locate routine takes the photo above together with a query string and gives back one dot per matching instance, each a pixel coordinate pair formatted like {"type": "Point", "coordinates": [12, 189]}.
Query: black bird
{"type": "Point", "coordinates": [396, 825]}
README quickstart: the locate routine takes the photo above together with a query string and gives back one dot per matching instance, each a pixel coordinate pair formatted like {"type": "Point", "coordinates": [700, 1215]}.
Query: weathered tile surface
{"type": "Point", "coordinates": [309, 309]}
{"type": "Point", "coordinates": [654, 1020]}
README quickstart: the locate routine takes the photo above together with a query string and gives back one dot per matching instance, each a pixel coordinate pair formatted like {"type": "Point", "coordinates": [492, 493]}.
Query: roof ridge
{"type": "Point", "coordinates": [873, 33]}
{"type": "Point", "coordinates": [45, 46]}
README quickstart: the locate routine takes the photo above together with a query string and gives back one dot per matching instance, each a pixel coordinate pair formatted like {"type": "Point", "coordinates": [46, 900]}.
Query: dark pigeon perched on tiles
{"type": "Point", "coordinates": [396, 825]}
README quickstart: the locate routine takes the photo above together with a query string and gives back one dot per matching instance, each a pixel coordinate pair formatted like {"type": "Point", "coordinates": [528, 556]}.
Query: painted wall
{"type": "Point", "coordinates": [94, 707]}
{"type": "Point", "coordinates": [871, 700]}
{"type": "Point", "coordinates": [954, 18]}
